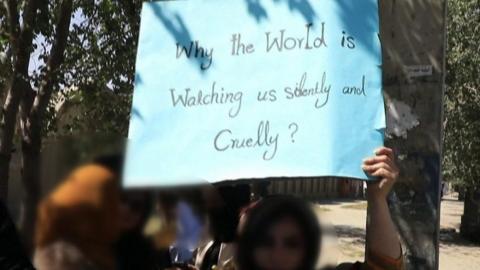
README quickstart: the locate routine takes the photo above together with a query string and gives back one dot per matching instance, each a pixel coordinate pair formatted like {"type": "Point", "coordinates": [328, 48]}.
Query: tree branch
{"type": "Point", "coordinates": [54, 61]}
{"type": "Point", "coordinates": [26, 35]}
{"type": "Point", "coordinates": [12, 15]}
{"type": "Point", "coordinates": [16, 87]}
{"type": "Point", "coordinates": [4, 33]}
{"type": "Point", "coordinates": [130, 8]}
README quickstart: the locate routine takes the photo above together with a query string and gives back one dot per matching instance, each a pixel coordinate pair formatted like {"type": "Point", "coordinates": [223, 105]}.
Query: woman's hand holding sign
{"type": "Point", "coordinates": [383, 166]}
{"type": "Point", "coordinates": [382, 236]}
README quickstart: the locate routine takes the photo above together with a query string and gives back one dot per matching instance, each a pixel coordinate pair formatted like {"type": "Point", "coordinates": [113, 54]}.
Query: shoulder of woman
{"type": "Point", "coordinates": [61, 255]}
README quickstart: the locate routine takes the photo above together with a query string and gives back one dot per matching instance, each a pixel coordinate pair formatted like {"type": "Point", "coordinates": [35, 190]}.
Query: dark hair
{"type": "Point", "coordinates": [139, 200]}
{"type": "Point", "coordinates": [224, 217]}
{"type": "Point", "coordinates": [264, 215]}
{"type": "Point", "coordinates": [113, 162]}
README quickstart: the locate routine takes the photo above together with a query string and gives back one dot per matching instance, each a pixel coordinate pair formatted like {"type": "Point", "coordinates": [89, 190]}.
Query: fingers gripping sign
{"type": "Point", "coordinates": [383, 166]}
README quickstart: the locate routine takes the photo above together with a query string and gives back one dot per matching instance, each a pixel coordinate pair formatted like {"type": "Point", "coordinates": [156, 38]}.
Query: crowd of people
{"type": "Point", "coordinates": [89, 223]}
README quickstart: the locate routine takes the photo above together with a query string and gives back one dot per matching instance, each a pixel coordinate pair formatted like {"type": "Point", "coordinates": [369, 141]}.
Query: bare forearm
{"type": "Point", "coordinates": [382, 235]}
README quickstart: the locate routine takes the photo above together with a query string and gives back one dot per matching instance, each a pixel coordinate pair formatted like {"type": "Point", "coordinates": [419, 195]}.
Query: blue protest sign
{"type": "Point", "coordinates": [252, 89]}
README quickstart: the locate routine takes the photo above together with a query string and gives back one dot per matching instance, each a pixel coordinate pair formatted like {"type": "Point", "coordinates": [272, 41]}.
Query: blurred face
{"type": "Point", "coordinates": [128, 218]}
{"type": "Point", "coordinates": [283, 248]}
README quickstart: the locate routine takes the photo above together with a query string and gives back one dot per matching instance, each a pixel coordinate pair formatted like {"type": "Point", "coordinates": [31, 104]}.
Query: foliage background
{"type": "Point", "coordinates": [462, 97]}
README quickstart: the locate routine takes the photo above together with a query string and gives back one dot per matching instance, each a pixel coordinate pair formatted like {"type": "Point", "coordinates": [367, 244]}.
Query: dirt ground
{"type": "Point", "coordinates": [346, 220]}
{"type": "Point", "coordinates": [455, 252]}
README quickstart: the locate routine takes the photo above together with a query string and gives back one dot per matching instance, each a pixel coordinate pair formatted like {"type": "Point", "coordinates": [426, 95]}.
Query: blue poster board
{"type": "Point", "coordinates": [245, 89]}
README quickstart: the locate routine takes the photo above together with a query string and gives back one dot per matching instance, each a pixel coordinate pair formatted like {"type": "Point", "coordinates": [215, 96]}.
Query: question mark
{"type": "Point", "coordinates": [294, 131]}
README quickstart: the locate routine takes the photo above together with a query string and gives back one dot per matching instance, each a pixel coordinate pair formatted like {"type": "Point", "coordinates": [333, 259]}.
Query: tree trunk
{"type": "Point", "coordinates": [4, 171]}
{"type": "Point", "coordinates": [31, 143]}
{"type": "Point", "coordinates": [31, 184]}
{"type": "Point", "coordinates": [470, 226]}
{"type": "Point", "coordinates": [34, 106]}
{"type": "Point", "coordinates": [21, 43]}
{"type": "Point", "coordinates": [7, 128]}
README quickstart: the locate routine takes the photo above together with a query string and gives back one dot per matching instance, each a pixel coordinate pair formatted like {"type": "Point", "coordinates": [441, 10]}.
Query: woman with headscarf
{"type": "Point", "coordinates": [282, 233]}
{"type": "Point", "coordinates": [77, 223]}
{"type": "Point", "coordinates": [223, 206]}
{"type": "Point", "coordinates": [133, 250]}
{"type": "Point", "coordinates": [278, 232]}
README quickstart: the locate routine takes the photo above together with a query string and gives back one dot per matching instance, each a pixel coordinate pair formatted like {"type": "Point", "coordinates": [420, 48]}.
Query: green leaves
{"type": "Point", "coordinates": [462, 99]}
{"type": "Point", "coordinates": [99, 65]}
{"type": "Point", "coordinates": [95, 84]}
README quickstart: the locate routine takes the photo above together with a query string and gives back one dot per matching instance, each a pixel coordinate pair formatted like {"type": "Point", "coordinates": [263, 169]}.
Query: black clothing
{"type": "Point", "coordinates": [134, 252]}
{"type": "Point", "coordinates": [12, 253]}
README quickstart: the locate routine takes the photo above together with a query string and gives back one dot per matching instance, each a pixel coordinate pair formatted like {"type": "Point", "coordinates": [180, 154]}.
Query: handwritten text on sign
{"type": "Point", "coordinates": [252, 89]}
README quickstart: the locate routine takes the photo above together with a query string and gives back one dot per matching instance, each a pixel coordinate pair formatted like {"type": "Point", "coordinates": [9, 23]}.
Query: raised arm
{"type": "Point", "coordinates": [382, 236]}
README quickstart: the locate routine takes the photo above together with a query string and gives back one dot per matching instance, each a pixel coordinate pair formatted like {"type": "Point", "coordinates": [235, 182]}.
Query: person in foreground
{"type": "Point", "coordinates": [282, 232]}
{"type": "Point", "coordinates": [12, 253]}
{"type": "Point", "coordinates": [77, 223]}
